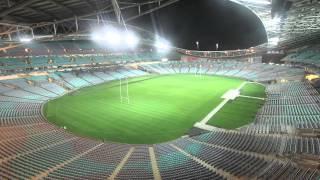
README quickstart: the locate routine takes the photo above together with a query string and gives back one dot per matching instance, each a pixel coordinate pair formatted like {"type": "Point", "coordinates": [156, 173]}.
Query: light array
{"type": "Point", "coordinates": [115, 38]}
{"type": "Point", "coordinates": [162, 45]}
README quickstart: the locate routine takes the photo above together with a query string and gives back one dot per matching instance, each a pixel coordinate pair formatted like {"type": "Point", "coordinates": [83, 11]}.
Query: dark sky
{"type": "Point", "coordinates": [206, 21]}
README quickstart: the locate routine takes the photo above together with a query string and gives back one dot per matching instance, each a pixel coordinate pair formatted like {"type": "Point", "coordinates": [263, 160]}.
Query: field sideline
{"type": "Point", "coordinates": [161, 108]}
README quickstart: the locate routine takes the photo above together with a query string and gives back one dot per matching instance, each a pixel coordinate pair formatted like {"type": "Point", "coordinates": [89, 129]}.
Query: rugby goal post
{"type": "Point", "coordinates": [124, 94]}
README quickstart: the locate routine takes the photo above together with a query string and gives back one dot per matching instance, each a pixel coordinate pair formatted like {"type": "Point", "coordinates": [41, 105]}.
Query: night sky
{"type": "Point", "coordinates": [206, 21]}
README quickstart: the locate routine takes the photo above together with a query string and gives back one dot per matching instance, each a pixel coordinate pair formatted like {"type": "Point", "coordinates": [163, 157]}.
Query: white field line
{"type": "Point", "coordinates": [216, 109]}
{"type": "Point", "coordinates": [206, 127]}
{"type": "Point", "coordinates": [249, 82]}
{"type": "Point", "coordinates": [213, 112]}
{"type": "Point", "coordinates": [251, 97]}
{"type": "Point", "coordinates": [241, 85]}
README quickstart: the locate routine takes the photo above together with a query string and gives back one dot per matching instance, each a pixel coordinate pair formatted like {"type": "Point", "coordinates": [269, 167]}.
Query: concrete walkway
{"type": "Point", "coordinates": [219, 171]}
{"type": "Point", "coordinates": [121, 164]}
{"type": "Point", "coordinates": [154, 164]}
{"type": "Point", "coordinates": [61, 165]}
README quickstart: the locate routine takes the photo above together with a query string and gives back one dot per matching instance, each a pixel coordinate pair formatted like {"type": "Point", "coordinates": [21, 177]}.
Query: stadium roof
{"type": "Point", "coordinates": [35, 11]}
{"type": "Point", "coordinates": [299, 19]}
{"type": "Point", "coordinates": [263, 9]}
{"type": "Point", "coordinates": [54, 17]}
{"type": "Point", "coordinates": [31, 14]}
{"type": "Point", "coordinates": [20, 15]}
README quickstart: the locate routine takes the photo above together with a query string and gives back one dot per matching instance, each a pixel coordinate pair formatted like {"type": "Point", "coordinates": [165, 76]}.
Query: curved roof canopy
{"type": "Point", "coordinates": [67, 17]}
{"type": "Point", "coordinates": [302, 19]}
{"type": "Point", "coordinates": [262, 8]}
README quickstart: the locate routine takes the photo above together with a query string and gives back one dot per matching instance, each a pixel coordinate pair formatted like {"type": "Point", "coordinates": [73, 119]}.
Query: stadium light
{"type": "Point", "coordinates": [262, 2]}
{"type": "Point", "coordinates": [25, 40]}
{"type": "Point", "coordinates": [115, 38]}
{"type": "Point", "coordinates": [162, 45]}
{"type": "Point", "coordinates": [131, 39]}
{"type": "Point", "coordinates": [98, 35]}
{"type": "Point", "coordinates": [164, 59]}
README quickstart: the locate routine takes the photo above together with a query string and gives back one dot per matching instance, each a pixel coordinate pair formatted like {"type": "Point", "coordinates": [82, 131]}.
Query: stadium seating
{"type": "Point", "coordinates": [97, 164]}
{"type": "Point", "coordinates": [289, 105]}
{"type": "Point", "coordinates": [23, 61]}
{"type": "Point", "coordinates": [309, 55]}
{"type": "Point", "coordinates": [30, 147]}
{"type": "Point", "coordinates": [251, 71]}
{"type": "Point", "coordinates": [138, 165]}
{"type": "Point", "coordinates": [175, 165]}
{"type": "Point", "coordinates": [241, 164]}
{"type": "Point", "coordinates": [91, 78]}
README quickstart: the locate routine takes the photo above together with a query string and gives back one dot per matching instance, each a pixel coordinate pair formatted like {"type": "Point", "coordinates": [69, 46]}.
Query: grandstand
{"type": "Point", "coordinates": [262, 121]}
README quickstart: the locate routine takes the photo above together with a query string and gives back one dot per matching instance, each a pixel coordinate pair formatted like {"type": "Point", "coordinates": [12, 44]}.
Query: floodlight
{"type": "Point", "coordinates": [262, 2]}
{"type": "Point", "coordinates": [162, 44]}
{"type": "Point", "coordinates": [131, 39]}
{"type": "Point", "coordinates": [113, 36]}
{"type": "Point", "coordinates": [164, 59]}
{"type": "Point", "coordinates": [98, 35]}
{"type": "Point", "coordinates": [95, 36]}
{"type": "Point", "coordinates": [25, 39]}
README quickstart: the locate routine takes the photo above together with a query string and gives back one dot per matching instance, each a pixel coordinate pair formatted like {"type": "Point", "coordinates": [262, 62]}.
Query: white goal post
{"type": "Point", "coordinates": [124, 94]}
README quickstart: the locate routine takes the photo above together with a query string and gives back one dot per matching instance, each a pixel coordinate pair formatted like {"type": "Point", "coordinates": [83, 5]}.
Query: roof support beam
{"type": "Point", "coordinates": [13, 25]}
{"type": "Point", "coordinates": [142, 3]}
{"type": "Point", "coordinates": [62, 6]}
{"type": "Point", "coordinates": [77, 21]}
{"type": "Point", "coordinates": [17, 6]}
{"type": "Point", "coordinates": [90, 5]}
{"type": "Point", "coordinates": [8, 3]}
{"type": "Point", "coordinates": [117, 10]}
{"type": "Point", "coordinates": [152, 10]}
{"type": "Point", "coordinates": [13, 28]}
{"type": "Point", "coordinates": [38, 11]}
{"type": "Point", "coordinates": [15, 19]}
{"type": "Point", "coordinates": [83, 16]}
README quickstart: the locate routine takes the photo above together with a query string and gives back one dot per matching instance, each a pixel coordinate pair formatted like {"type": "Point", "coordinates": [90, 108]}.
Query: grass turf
{"type": "Point", "coordinates": [242, 110]}
{"type": "Point", "coordinates": [253, 89]}
{"type": "Point", "coordinates": [161, 108]}
{"type": "Point", "coordinates": [236, 113]}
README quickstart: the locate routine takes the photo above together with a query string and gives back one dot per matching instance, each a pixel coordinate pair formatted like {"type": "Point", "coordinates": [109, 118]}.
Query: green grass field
{"type": "Point", "coordinates": [161, 108]}
{"type": "Point", "coordinates": [236, 113]}
{"type": "Point", "coordinates": [253, 89]}
{"type": "Point", "coordinates": [242, 110]}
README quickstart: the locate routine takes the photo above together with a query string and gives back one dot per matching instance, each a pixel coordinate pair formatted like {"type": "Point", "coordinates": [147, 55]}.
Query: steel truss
{"type": "Point", "coordinates": [77, 24]}
{"type": "Point", "coordinates": [300, 23]}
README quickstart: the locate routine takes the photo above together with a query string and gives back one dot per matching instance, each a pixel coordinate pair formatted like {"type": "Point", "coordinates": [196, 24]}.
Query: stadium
{"type": "Point", "coordinates": [86, 94]}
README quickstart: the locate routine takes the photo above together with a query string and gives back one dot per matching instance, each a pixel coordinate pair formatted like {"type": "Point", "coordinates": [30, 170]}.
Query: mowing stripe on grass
{"type": "Point", "coordinates": [161, 108]}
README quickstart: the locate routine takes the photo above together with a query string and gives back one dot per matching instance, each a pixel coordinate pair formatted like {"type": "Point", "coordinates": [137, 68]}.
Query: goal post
{"type": "Point", "coordinates": [124, 94]}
